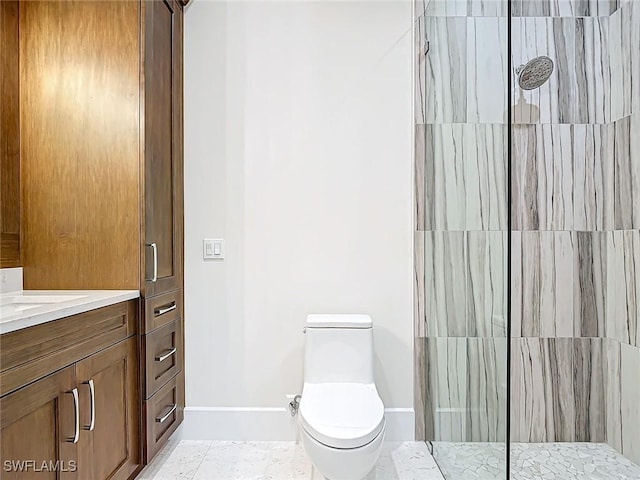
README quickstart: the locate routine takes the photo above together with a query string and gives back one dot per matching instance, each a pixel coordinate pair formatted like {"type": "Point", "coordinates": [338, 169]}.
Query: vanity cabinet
{"type": "Point", "coordinates": [85, 415]}
{"type": "Point", "coordinates": [35, 425]}
{"type": "Point", "coordinates": [101, 164]}
{"type": "Point", "coordinates": [107, 384]}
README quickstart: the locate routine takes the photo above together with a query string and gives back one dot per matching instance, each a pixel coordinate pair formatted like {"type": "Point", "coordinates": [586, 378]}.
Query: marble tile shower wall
{"type": "Point", "coordinates": [575, 211]}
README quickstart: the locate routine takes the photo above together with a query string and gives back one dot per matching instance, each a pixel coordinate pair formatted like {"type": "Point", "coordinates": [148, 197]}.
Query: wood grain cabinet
{"type": "Point", "coordinates": [163, 195]}
{"type": "Point", "coordinates": [81, 421]}
{"type": "Point", "coordinates": [36, 423]}
{"type": "Point", "coordinates": [162, 317]}
{"type": "Point", "coordinates": [107, 384]}
{"type": "Point", "coordinates": [101, 152]}
{"type": "Point", "coordinates": [10, 251]}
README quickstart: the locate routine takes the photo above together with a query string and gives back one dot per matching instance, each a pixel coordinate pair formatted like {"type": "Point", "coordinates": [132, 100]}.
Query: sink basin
{"type": "Point", "coordinates": [37, 299]}
{"type": "Point", "coordinates": [13, 305]}
{"type": "Point", "coordinates": [13, 309]}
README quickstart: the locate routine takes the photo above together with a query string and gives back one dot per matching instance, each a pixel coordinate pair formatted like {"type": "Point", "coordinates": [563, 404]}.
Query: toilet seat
{"type": "Point", "coordinates": [341, 415]}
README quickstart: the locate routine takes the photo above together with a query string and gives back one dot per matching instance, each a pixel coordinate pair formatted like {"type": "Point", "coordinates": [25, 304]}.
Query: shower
{"type": "Point", "coordinates": [524, 254]}
{"type": "Point", "coordinates": [534, 73]}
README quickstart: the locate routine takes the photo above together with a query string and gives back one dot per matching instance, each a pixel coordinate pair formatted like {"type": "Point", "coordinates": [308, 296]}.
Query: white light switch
{"type": "Point", "coordinates": [212, 248]}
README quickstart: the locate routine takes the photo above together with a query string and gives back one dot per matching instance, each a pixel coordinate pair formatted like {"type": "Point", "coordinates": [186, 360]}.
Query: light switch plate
{"type": "Point", "coordinates": [212, 248]}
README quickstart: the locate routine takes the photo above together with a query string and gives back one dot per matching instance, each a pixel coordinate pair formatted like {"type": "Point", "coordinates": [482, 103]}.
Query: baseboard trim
{"type": "Point", "coordinates": [275, 424]}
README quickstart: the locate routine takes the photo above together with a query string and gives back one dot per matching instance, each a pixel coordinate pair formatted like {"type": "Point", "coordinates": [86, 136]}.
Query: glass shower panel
{"type": "Point", "coordinates": [461, 234]}
{"type": "Point", "coordinates": [575, 268]}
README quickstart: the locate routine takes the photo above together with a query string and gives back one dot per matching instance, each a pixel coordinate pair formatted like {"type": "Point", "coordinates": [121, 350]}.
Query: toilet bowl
{"type": "Point", "coordinates": [341, 416]}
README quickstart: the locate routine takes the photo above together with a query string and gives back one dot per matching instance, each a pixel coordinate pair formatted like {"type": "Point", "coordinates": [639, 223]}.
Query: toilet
{"type": "Point", "coordinates": [341, 416]}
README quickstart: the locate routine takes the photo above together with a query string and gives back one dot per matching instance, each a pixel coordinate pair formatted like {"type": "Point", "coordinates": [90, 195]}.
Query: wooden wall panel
{"type": "Point", "coordinates": [80, 144]}
{"type": "Point", "coordinates": [9, 136]}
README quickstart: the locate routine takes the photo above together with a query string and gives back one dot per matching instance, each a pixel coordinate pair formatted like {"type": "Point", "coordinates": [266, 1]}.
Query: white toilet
{"type": "Point", "coordinates": [341, 416]}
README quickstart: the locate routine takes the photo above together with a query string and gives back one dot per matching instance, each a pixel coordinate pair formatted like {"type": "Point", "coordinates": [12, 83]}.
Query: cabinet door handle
{"type": "Point", "coordinates": [161, 357]}
{"type": "Point", "coordinates": [76, 411]}
{"type": "Point", "coordinates": [92, 393]}
{"type": "Point", "coordinates": [167, 415]}
{"type": "Point", "coordinates": [154, 247]}
{"type": "Point", "coordinates": [162, 310]}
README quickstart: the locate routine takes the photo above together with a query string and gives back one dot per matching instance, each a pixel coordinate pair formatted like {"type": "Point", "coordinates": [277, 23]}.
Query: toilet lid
{"type": "Point", "coordinates": [341, 415]}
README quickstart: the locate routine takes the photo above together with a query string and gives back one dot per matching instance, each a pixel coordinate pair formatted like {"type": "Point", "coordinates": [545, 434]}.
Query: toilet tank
{"type": "Point", "coordinates": [338, 349]}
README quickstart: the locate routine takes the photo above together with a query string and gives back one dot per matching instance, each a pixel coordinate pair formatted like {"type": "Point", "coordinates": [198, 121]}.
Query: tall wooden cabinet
{"type": "Point", "coordinates": [10, 255]}
{"type": "Point", "coordinates": [102, 175]}
{"type": "Point", "coordinates": [162, 340]}
{"type": "Point", "coordinates": [163, 146]}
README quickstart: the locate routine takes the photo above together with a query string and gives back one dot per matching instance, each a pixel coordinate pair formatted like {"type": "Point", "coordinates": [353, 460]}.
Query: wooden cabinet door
{"type": "Point", "coordinates": [37, 425]}
{"type": "Point", "coordinates": [109, 406]}
{"type": "Point", "coordinates": [163, 143]}
{"type": "Point", "coordinates": [10, 251]}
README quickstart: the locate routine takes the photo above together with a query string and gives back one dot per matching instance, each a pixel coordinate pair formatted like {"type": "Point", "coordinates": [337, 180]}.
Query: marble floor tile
{"type": "Point", "coordinates": [280, 461]}
{"type": "Point", "coordinates": [533, 461]}
{"type": "Point", "coordinates": [181, 461]}
{"type": "Point", "coordinates": [570, 461]}
{"type": "Point", "coordinates": [471, 460]}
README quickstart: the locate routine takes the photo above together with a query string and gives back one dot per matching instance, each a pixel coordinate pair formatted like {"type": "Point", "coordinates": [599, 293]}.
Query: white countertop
{"type": "Point", "coordinates": [27, 308]}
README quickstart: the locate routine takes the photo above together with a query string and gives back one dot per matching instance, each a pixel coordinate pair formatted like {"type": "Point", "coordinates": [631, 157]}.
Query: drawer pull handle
{"type": "Point", "coordinates": [167, 415]}
{"type": "Point", "coordinates": [92, 393]}
{"type": "Point", "coordinates": [154, 247]}
{"type": "Point", "coordinates": [76, 416]}
{"type": "Point", "coordinates": [162, 310]}
{"type": "Point", "coordinates": [166, 354]}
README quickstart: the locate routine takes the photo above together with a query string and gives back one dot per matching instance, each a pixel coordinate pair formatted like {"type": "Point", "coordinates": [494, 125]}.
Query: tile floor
{"type": "Point", "coordinates": [534, 461]}
{"type": "Point", "coordinates": [203, 460]}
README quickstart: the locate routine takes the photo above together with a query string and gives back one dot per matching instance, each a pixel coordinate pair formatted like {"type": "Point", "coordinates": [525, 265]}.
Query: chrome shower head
{"type": "Point", "coordinates": [535, 73]}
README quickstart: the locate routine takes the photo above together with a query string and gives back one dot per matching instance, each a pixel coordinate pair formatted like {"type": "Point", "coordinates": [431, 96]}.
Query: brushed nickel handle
{"type": "Point", "coordinates": [166, 354]}
{"type": "Point", "coordinates": [162, 310]}
{"type": "Point", "coordinates": [167, 415]}
{"type": "Point", "coordinates": [154, 247]}
{"type": "Point", "coordinates": [76, 409]}
{"type": "Point", "coordinates": [92, 393]}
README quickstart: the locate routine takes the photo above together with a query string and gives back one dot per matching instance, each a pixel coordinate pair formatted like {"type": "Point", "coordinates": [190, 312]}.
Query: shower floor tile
{"type": "Point", "coordinates": [534, 461]}
{"type": "Point", "coordinates": [204, 460]}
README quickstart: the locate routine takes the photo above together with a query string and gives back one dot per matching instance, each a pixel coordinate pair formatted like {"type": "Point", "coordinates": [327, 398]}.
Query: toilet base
{"type": "Point", "coordinates": [342, 464]}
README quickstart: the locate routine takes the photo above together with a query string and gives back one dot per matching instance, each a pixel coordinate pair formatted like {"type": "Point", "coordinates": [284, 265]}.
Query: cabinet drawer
{"type": "Point", "coordinates": [163, 413]}
{"type": "Point", "coordinates": [162, 350]}
{"type": "Point", "coordinates": [161, 310]}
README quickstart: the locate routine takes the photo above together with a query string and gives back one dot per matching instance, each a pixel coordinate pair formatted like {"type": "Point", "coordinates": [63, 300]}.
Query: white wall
{"type": "Point", "coordinates": [298, 151]}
